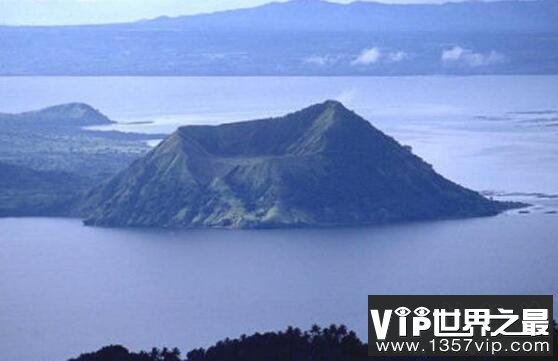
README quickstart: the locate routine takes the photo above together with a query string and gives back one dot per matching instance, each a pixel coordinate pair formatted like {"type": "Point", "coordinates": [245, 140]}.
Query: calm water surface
{"type": "Point", "coordinates": [66, 289]}
{"type": "Point", "coordinates": [467, 127]}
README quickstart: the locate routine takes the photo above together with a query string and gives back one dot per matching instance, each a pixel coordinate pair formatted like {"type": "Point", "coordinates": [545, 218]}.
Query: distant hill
{"type": "Point", "coordinates": [48, 159]}
{"type": "Point", "coordinates": [72, 114]}
{"type": "Point", "coordinates": [301, 37]}
{"type": "Point", "coordinates": [56, 139]}
{"type": "Point", "coordinates": [321, 166]}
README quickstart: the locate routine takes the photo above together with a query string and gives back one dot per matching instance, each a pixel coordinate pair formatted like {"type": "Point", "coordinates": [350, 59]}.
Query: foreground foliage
{"type": "Point", "coordinates": [334, 343]}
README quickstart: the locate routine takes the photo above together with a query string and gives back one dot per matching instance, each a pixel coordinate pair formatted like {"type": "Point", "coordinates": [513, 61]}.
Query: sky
{"type": "Point", "coordinates": [67, 12]}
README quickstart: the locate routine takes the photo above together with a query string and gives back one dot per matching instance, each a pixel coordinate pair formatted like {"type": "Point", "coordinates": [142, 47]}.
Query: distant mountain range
{"type": "Point", "coordinates": [301, 37]}
{"type": "Point", "coordinates": [321, 166]}
{"type": "Point", "coordinates": [317, 15]}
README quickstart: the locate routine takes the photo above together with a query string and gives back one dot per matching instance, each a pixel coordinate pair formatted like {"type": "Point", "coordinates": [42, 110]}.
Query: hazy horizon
{"type": "Point", "coordinates": [86, 12]}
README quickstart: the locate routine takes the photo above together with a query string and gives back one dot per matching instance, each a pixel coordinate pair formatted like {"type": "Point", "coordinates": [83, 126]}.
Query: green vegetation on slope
{"type": "Point", "coordinates": [48, 159]}
{"type": "Point", "coordinates": [321, 166]}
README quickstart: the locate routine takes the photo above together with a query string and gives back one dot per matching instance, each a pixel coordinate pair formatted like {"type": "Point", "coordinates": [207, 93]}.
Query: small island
{"type": "Point", "coordinates": [321, 166]}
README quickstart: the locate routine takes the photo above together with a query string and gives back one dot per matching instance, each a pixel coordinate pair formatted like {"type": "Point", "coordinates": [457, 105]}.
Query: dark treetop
{"type": "Point", "coordinates": [333, 343]}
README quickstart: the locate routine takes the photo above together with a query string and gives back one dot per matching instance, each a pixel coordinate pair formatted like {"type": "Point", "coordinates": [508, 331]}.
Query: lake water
{"type": "Point", "coordinates": [467, 127]}
{"type": "Point", "coordinates": [66, 289]}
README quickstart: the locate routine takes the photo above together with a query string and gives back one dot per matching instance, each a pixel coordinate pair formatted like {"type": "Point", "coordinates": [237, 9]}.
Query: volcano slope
{"type": "Point", "coordinates": [321, 166]}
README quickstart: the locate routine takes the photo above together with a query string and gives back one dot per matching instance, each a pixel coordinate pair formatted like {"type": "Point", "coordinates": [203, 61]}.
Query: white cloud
{"type": "Point", "coordinates": [397, 56]}
{"type": "Point", "coordinates": [452, 54]}
{"type": "Point", "coordinates": [375, 55]}
{"type": "Point", "coordinates": [367, 57]}
{"type": "Point", "coordinates": [347, 96]}
{"type": "Point", "coordinates": [318, 60]}
{"type": "Point", "coordinates": [459, 55]}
